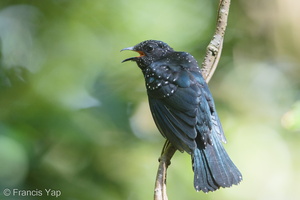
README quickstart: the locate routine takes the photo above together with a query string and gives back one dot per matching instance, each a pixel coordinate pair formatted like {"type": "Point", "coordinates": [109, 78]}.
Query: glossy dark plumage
{"type": "Point", "coordinates": [184, 112]}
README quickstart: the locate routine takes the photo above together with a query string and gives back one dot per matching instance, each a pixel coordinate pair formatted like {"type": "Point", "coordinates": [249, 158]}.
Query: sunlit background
{"type": "Point", "coordinates": [74, 119]}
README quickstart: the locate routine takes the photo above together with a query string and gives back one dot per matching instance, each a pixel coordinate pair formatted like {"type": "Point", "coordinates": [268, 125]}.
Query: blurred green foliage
{"type": "Point", "coordinates": [74, 119]}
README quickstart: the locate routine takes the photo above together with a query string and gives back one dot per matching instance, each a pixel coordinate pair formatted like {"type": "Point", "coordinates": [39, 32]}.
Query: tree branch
{"type": "Point", "coordinates": [214, 49]}
{"type": "Point", "coordinates": [160, 191]}
{"type": "Point", "coordinates": [209, 65]}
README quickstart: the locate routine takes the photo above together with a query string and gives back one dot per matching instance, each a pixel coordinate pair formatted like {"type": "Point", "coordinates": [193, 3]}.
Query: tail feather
{"type": "Point", "coordinates": [213, 168]}
{"type": "Point", "coordinates": [203, 179]}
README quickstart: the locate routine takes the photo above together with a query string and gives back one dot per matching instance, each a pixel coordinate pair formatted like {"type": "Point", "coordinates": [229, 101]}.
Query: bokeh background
{"type": "Point", "coordinates": [74, 119]}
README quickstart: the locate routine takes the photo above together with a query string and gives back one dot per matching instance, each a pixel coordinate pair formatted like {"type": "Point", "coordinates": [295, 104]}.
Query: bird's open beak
{"type": "Point", "coordinates": [128, 48]}
{"type": "Point", "coordinates": [132, 58]}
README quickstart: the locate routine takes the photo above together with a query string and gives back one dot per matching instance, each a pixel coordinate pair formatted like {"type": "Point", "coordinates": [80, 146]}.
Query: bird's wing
{"type": "Point", "coordinates": [175, 120]}
{"type": "Point", "coordinates": [188, 112]}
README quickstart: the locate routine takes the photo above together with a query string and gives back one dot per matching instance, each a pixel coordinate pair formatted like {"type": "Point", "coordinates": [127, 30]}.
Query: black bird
{"type": "Point", "coordinates": [184, 112]}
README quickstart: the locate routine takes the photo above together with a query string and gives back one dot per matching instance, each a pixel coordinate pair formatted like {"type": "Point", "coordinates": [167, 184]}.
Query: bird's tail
{"type": "Point", "coordinates": [213, 168]}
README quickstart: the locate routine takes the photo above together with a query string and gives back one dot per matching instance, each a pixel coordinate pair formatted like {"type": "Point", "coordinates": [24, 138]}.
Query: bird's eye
{"type": "Point", "coordinates": [149, 48]}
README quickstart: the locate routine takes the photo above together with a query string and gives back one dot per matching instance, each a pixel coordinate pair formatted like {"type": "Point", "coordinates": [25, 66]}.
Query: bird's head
{"type": "Point", "coordinates": [150, 51]}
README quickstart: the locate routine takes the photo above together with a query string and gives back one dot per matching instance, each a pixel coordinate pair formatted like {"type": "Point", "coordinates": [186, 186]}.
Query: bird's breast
{"type": "Point", "coordinates": [160, 81]}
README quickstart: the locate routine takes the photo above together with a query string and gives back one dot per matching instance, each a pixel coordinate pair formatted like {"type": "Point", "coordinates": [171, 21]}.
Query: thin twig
{"type": "Point", "coordinates": [209, 65]}
{"type": "Point", "coordinates": [214, 49]}
{"type": "Point", "coordinates": [160, 191]}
